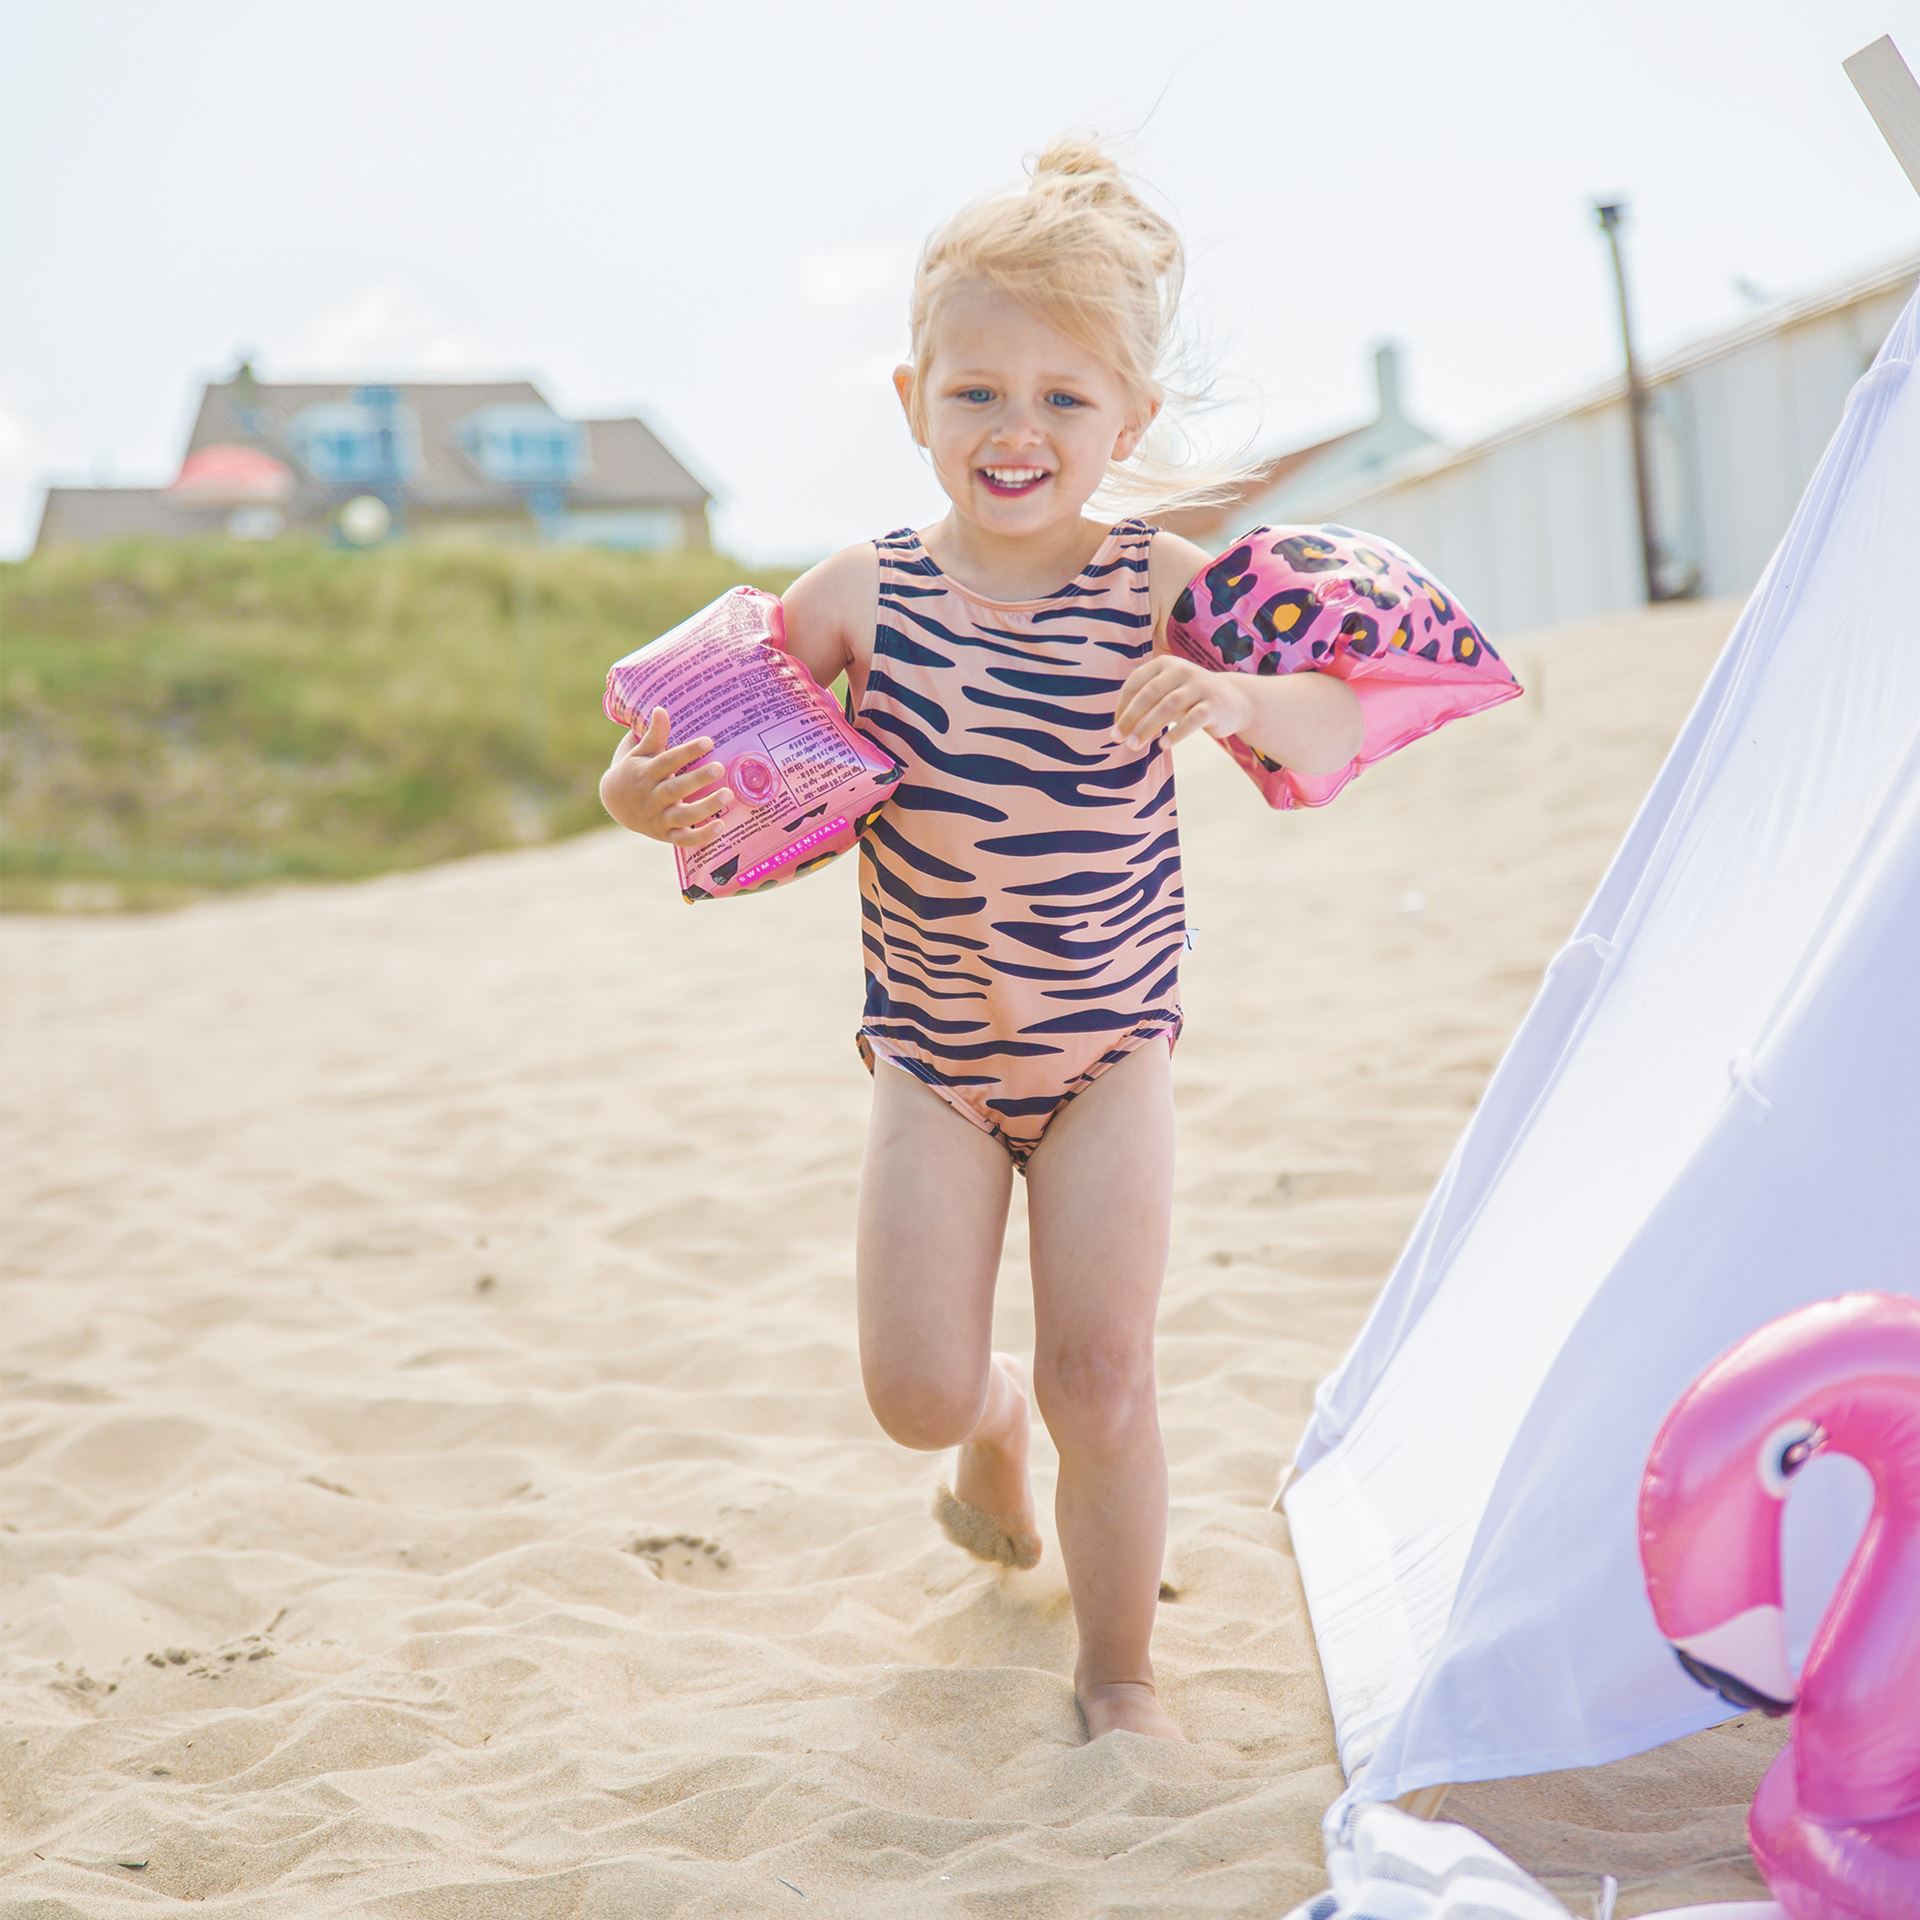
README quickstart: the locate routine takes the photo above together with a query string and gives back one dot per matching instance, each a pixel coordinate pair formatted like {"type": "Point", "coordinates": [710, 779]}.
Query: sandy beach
{"type": "Point", "coordinates": [437, 1482]}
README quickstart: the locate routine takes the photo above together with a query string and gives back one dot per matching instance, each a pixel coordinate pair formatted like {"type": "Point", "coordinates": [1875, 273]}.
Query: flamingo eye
{"type": "Point", "coordinates": [1785, 1451]}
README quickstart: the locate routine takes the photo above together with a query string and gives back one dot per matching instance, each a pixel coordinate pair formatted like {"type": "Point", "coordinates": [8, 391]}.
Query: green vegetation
{"type": "Point", "coordinates": [181, 718]}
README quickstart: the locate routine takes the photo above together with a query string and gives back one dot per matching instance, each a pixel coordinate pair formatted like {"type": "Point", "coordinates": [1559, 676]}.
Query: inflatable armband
{"type": "Point", "coordinates": [805, 785]}
{"type": "Point", "coordinates": [1347, 604]}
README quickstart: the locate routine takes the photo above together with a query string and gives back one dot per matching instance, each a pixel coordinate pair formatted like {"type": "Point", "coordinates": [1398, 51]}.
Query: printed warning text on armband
{"type": "Point", "coordinates": [715, 687]}
{"type": "Point", "coordinates": [812, 756]}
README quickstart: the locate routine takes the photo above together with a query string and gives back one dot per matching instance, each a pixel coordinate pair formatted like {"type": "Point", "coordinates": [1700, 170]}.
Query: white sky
{"type": "Point", "coordinates": [709, 214]}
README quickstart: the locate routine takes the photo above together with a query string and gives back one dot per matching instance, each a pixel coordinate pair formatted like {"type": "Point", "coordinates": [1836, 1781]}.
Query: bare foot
{"type": "Point", "coordinates": [1124, 1706]}
{"type": "Point", "coordinates": [989, 1508]}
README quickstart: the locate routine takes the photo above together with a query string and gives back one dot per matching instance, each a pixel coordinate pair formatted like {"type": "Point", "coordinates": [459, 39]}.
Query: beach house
{"type": "Point", "coordinates": [442, 461]}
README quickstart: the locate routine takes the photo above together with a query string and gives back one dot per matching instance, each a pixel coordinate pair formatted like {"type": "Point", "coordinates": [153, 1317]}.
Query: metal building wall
{"type": "Point", "coordinates": [1536, 527]}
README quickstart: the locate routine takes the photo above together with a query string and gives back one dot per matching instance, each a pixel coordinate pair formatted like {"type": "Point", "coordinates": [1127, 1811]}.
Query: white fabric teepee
{"type": "Point", "coordinates": [1710, 1115]}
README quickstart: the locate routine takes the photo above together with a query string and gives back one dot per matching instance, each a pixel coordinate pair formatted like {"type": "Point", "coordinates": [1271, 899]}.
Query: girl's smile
{"type": "Point", "coordinates": [1001, 482]}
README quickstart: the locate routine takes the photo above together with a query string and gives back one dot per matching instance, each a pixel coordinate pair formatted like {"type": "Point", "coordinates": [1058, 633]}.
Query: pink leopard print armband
{"type": "Point", "coordinates": [1329, 599]}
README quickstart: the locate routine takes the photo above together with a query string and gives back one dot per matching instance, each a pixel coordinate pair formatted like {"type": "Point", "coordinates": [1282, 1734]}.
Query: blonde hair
{"type": "Point", "coordinates": [1082, 252]}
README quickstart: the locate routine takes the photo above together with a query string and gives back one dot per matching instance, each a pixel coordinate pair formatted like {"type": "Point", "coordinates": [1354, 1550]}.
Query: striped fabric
{"type": "Point", "coordinates": [1021, 899]}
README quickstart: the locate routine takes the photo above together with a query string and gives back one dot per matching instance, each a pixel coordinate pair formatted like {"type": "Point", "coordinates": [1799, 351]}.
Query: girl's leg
{"type": "Point", "coordinates": [1099, 1207]}
{"type": "Point", "coordinates": [934, 1191]}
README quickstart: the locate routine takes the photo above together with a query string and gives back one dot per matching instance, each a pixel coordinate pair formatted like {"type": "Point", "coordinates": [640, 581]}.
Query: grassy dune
{"type": "Point", "coordinates": [179, 718]}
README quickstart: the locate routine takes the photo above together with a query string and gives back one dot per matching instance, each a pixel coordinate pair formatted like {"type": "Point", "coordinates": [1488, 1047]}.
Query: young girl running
{"type": "Point", "coordinates": [1021, 900]}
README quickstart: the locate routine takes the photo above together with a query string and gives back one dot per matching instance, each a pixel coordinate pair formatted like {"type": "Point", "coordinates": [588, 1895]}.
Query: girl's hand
{"type": "Point", "coordinates": [645, 789]}
{"type": "Point", "coordinates": [1179, 695]}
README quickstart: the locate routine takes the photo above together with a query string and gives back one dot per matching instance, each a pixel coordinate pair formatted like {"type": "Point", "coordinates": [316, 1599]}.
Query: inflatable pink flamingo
{"type": "Point", "coordinates": [1835, 1826]}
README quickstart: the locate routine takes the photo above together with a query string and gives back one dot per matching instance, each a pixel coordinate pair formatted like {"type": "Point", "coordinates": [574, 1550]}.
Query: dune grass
{"type": "Point", "coordinates": [180, 718]}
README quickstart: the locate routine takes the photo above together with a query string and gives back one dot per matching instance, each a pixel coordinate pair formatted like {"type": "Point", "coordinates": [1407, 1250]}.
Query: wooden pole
{"type": "Point", "coordinates": [1636, 405]}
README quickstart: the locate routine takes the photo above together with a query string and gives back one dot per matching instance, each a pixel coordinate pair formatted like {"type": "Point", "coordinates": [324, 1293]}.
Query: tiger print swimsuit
{"type": "Point", "coordinates": [1021, 899]}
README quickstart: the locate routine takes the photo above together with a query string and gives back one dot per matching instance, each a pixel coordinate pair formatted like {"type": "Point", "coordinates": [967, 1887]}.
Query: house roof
{"type": "Point", "coordinates": [1198, 524]}
{"type": "Point", "coordinates": [226, 472]}
{"type": "Point", "coordinates": [627, 461]}
{"type": "Point", "coordinates": [626, 465]}
{"type": "Point", "coordinates": [116, 513]}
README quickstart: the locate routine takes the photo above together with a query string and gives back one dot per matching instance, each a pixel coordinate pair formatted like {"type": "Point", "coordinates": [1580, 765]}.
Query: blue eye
{"type": "Point", "coordinates": [967, 393]}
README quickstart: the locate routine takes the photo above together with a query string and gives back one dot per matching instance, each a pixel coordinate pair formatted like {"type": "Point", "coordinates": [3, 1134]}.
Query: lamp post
{"type": "Point", "coordinates": [1609, 216]}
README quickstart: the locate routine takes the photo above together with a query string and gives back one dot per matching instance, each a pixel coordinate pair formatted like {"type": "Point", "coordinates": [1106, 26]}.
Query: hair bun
{"type": "Point", "coordinates": [1075, 155]}
{"type": "Point", "coordinates": [1074, 173]}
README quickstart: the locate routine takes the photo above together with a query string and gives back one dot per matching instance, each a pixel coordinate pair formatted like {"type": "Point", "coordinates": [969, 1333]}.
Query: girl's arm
{"type": "Point", "coordinates": [1308, 721]}
{"type": "Point", "coordinates": [818, 610]}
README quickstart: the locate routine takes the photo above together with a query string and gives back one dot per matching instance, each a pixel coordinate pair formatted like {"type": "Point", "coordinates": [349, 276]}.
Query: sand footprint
{"type": "Point", "coordinates": [682, 1557]}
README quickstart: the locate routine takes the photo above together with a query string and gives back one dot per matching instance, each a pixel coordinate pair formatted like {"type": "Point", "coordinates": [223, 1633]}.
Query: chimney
{"type": "Point", "coordinates": [1386, 376]}
{"type": "Point", "coordinates": [246, 397]}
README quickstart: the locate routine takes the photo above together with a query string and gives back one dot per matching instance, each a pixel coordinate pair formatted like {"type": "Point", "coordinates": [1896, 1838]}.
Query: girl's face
{"type": "Point", "coordinates": [1007, 395]}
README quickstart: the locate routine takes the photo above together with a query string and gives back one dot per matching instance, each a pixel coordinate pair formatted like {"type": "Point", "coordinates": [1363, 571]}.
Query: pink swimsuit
{"type": "Point", "coordinates": [1022, 907]}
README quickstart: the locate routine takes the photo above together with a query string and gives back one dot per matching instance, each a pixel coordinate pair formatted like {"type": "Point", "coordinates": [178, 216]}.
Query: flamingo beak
{"type": "Point", "coordinates": [1744, 1661]}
